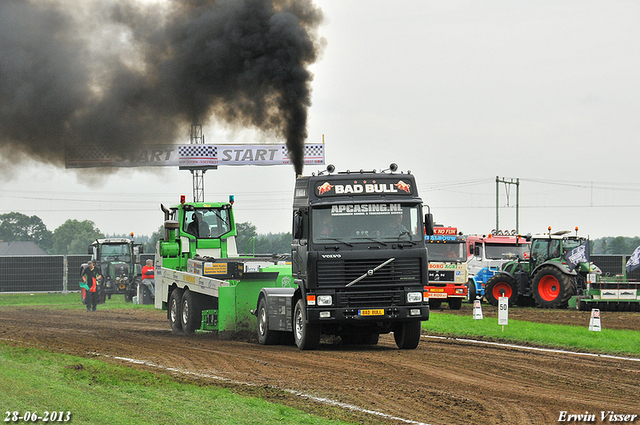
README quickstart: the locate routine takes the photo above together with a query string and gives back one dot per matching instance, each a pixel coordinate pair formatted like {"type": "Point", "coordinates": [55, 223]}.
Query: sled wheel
{"type": "Point", "coordinates": [175, 311]}
{"type": "Point", "coordinates": [266, 336]}
{"type": "Point", "coordinates": [407, 334]}
{"type": "Point", "coordinates": [307, 336]}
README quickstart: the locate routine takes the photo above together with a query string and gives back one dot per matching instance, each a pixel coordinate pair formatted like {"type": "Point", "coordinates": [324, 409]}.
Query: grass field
{"type": "Point", "coordinates": [91, 391]}
{"type": "Point", "coordinates": [578, 338]}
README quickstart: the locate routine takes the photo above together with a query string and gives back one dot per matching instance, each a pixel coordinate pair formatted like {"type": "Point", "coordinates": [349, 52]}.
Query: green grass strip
{"type": "Point", "coordinates": [70, 300]}
{"type": "Point", "coordinates": [610, 341]}
{"type": "Point", "coordinates": [96, 392]}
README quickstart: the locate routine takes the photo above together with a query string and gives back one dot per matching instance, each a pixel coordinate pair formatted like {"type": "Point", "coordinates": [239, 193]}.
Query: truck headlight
{"type": "Point", "coordinates": [460, 291]}
{"type": "Point", "coordinates": [324, 300]}
{"type": "Point", "coordinates": [414, 297]}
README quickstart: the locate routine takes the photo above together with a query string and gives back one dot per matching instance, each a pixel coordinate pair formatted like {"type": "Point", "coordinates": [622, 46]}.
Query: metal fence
{"type": "Point", "coordinates": [612, 265]}
{"type": "Point", "coordinates": [61, 273]}
{"type": "Point", "coordinates": [41, 273]}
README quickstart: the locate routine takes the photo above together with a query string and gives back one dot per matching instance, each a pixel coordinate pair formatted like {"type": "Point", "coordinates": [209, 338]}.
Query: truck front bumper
{"type": "Point", "coordinates": [338, 315]}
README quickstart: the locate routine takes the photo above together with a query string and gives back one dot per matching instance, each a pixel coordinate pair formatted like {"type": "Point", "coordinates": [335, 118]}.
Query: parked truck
{"type": "Point", "coordinates": [485, 256]}
{"type": "Point", "coordinates": [118, 263]}
{"type": "Point", "coordinates": [546, 278]}
{"type": "Point", "coordinates": [358, 265]}
{"type": "Point", "coordinates": [447, 268]}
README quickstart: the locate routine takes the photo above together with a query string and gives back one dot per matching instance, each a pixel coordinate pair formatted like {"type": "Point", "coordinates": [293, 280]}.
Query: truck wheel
{"type": "Point", "coordinates": [471, 291]}
{"type": "Point", "coordinates": [455, 303]}
{"type": "Point", "coordinates": [498, 285]}
{"type": "Point", "coordinates": [266, 336]}
{"type": "Point", "coordinates": [191, 312]}
{"type": "Point", "coordinates": [175, 311]}
{"type": "Point", "coordinates": [434, 303]}
{"type": "Point", "coordinates": [407, 334]}
{"type": "Point", "coordinates": [307, 336]}
{"type": "Point", "coordinates": [552, 288]}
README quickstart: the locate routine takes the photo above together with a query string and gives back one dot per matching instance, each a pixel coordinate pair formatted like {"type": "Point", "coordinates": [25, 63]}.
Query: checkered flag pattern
{"type": "Point", "coordinates": [198, 151]}
{"type": "Point", "coordinates": [87, 152]}
{"type": "Point", "coordinates": [310, 151]}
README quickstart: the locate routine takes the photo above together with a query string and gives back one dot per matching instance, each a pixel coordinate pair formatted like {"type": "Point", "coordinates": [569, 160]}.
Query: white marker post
{"type": "Point", "coordinates": [594, 323]}
{"type": "Point", "coordinates": [477, 310]}
{"type": "Point", "coordinates": [503, 311]}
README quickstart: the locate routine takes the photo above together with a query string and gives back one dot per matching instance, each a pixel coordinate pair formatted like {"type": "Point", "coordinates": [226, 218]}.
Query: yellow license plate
{"type": "Point", "coordinates": [371, 312]}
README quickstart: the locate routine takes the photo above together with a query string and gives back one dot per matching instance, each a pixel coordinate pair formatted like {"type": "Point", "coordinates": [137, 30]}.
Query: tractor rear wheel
{"type": "Point", "coordinates": [552, 288]}
{"type": "Point", "coordinates": [501, 285]}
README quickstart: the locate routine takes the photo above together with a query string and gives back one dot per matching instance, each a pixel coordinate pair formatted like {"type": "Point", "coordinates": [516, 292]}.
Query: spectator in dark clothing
{"type": "Point", "coordinates": [89, 277]}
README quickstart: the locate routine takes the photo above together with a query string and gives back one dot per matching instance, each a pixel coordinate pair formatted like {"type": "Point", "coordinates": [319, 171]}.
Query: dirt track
{"type": "Point", "coordinates": [441, 382]}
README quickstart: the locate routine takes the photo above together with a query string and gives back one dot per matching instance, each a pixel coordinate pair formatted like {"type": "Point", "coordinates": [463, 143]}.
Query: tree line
{"type": "Point", "coordinates": [74, 236]}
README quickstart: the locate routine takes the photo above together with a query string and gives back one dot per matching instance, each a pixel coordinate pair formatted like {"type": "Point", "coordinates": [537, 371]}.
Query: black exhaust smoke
{"type": "Point", "coordinates": [120, 74]}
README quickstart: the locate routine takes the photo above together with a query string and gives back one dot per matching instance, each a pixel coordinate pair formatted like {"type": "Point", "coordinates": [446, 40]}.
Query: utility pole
{"type": "Point", "coordinates": [506, 182]}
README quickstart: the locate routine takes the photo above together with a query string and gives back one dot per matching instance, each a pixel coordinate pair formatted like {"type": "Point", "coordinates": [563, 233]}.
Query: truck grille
{"type": "Point", "coordinates": [369, 299]}
{"type": "Point", "coordinates": [436, 276]}
{"type": "Point", "coordinates": [400, 272]}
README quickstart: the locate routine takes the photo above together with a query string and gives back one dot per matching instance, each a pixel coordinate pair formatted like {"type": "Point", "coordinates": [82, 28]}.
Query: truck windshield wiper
{"type": "Point", "coordinates": [335, 240]}
{"type": "Point", "coordinates": [369, 272]}
{"type": "Point", "coordinates": [374, 240]}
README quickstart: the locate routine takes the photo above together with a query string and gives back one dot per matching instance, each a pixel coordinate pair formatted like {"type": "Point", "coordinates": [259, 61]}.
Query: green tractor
{"type": "Point", "coordinates": [555, 270]}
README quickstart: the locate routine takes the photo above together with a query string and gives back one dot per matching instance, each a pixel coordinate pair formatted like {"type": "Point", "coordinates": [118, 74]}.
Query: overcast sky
{"type": "Point", "coordinates": [457, 92]}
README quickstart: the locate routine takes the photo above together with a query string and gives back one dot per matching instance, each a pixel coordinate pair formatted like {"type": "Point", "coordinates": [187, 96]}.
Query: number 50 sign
{"type": "Point", "coordinates": [503, 311]}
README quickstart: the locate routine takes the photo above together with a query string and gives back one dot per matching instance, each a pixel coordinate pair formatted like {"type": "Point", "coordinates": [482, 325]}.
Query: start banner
{"type": "Point", "coordinates": [192, 155]}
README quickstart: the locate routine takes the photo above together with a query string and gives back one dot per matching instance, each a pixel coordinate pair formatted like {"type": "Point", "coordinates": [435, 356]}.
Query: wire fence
{"type": "Point", "coordinates": [46, 273]}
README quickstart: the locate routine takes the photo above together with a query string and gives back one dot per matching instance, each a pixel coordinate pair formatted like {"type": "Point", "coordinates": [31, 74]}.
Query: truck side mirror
{"type": "Point", "coordinates": [90, 250]}
{"type": "Point", "coordinates": [476, 251]}
{"type": "Point", "coordinates": [428, 224]}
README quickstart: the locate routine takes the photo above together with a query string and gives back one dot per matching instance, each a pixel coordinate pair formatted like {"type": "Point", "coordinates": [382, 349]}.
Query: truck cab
{"type": "Point", "coordinates": [358, 258]}
{"type": "Point", "coordinates": [485, 256]}
{"type": "Point", "coordinates": [447, 268]}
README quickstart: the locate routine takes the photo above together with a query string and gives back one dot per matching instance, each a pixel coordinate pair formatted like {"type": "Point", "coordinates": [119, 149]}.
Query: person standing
{"type": "Point", "coordinates": [89, 278]}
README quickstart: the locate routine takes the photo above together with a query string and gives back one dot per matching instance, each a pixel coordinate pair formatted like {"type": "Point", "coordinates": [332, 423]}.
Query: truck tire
{"type": "Point", "coordinates": [266, 336]}
{"type": "Point", "coordinates": [498, 284]}
{"type": "Point", "coordinates": [434, 303]}
{"type": "Point", "coordinates": [455, 303]}
{"type": "Point", "coordinates": [552, 288]}
{"type": "Point", "coordinates": [175, 311]}
{"type": "Point", "coordinates": [471, 290]}
{"type": "Point", "coordinates": [191, 316]}
{"type": "Point", "coordinates": [407, 334]}
{"type": "Point", "coordinates": [306, 336]}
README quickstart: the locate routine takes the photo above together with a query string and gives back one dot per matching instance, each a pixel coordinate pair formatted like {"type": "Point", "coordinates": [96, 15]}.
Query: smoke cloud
{"type": "Point", "coordinates": [120, 74]}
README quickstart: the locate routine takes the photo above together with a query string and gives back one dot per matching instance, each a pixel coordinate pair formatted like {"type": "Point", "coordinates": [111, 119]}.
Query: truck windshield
{"type": "Point", "coordinates": [207, 223]}
{"type": "Point", "coordinates": [447, 252]}
{"type": "Point", "coordinates": [506, 251]}
{"type": "Point", "coordinates": [113, 252]}
{"type": "Point", "coordinates": [352, 223]}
